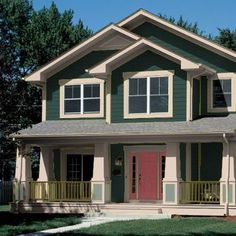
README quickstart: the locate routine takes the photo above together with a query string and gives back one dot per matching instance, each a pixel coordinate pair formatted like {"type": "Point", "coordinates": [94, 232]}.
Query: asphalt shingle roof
{"type": "Point", "coordinates": [71, 128]}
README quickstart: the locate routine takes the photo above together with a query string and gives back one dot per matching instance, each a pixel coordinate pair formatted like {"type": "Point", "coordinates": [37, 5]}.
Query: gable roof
{"type": "Point", "coordinates": [80, 50]}
{"type": "Point", "coordinates": [138, 48]}
{"type": "Point", "coordinates": [140, 16]}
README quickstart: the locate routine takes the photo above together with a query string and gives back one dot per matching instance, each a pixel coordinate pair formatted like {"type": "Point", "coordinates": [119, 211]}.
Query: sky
{"type": "Point", "coordinates": [209, 14]}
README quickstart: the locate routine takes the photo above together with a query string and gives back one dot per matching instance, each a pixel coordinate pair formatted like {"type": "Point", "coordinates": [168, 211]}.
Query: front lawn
{"type": "Point", "coordinates": [14, 224]}
{"type": "Point", "coordinates": [180, 226]}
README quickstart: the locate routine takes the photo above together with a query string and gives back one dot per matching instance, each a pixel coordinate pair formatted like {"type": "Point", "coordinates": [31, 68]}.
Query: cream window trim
{"type": "Point", "coordinates": [221, 76]}
{"type": "Point", "coordinates": [148, 74]}
{"type": "Point", "coordinates": [63, 83]}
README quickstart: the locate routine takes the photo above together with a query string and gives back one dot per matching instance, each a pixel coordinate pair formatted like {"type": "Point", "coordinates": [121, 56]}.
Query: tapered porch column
{"type": "Point", "coordinates": [101, 183]}
{"type": "Point", "coordinates": [228, 174]}
{"type": "Point", "coordinates": [23, 173]}
{"type": "Point", "coordinates": [171, 193]}
{"type": "Point", "coordinates": [46, 170]}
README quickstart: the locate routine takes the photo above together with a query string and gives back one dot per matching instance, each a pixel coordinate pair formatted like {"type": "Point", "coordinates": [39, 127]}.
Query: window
{"type": "Point", "coordinates": [221, 92]}
{"type": "Point", "coordinates": [79, 167]}
{"type": "Point", "coordinates": [148, 96]}
{"type": "Point", "coordinates": [81, 98]}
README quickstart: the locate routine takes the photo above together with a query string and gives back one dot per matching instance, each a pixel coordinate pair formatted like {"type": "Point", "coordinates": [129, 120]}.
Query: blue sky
{"type": "Point", "coordinates": [209, 14]}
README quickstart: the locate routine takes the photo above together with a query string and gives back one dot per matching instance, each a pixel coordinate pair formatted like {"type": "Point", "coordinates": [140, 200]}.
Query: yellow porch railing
{"type": "Point", "coordinates": [54, 191]}
{"type": "Point", "coordinates": [200, 192]}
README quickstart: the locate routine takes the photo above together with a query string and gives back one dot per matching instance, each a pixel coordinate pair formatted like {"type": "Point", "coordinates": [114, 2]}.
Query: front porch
{"type": "Point", "coordinates": [190, 178]}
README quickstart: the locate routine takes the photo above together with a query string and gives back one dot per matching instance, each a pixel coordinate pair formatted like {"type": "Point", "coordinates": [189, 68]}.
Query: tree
{"type": "Point", "coordinates": [28, 39]}
{"type": "Point", "coordinates": [227, 38]}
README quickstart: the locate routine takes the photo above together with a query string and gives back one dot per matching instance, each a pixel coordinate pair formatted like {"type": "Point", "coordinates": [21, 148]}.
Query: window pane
{"type": "Point", "coordinates": [76, 91]}
{"type": "Point", "coordinates": [87, 90]}
{"type": "Point", "coordinates": [87, 167]}
{"type": "Point", "coordinates": [164, 85]}
{"type": "Point", "coordinates": [68, 91]}
{"type": "Point", "coordinates": [219, 100]}
{"type": "Point", "coordinates": [159, 103]}
{"type": "Point", "coordinates": [142, 86]}
{"type": "Point", "coordinates": [72, 105]}
{"type": "Point", "coordinates": [227, 85]}
{"type": "Point", "coordinates": [133, 86]}
{"type": "Point", "coordinates": [228, 99]}
{"type": "Point", "coordinates": [217, 86]}
{"type": "Point", "coordinates": [91, 105]}
{"type": "Point", "coordinates": [154, 83]}
{"type": "Point", "coordinates": [96, 90]}
{"type": "Point", "coordinates": [138, 104]}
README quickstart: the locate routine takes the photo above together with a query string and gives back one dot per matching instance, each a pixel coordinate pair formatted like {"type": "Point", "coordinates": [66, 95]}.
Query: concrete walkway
{"type": "Point", "coordinates": [87, 222]}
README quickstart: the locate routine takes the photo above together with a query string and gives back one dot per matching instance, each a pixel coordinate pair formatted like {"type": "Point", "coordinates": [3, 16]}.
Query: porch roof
{"type": "Point", "coordinates": [99, 128]}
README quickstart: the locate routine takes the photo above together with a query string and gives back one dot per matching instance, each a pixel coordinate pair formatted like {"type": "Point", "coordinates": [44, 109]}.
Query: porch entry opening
{"type": "Point", "coordinates": [79, 167]}
{"type": "Point", "coordinates": [146, 173]}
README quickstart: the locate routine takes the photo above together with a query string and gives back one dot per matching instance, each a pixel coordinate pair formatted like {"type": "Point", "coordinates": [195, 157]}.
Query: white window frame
{"type": "Point", "coordinates": [81, 82]}
{"type": "Point", "coordinates": [222, 76]}
{"type": "Point", "coordinates": [148, 75]}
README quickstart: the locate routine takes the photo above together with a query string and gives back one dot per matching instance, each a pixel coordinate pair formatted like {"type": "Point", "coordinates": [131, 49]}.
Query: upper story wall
{"type": "Point", "coordinates": [184, 47]}
{"type": "Point", "coordinates": [148, 61]}
{"type": "Point", "coordinates": [73, 71]}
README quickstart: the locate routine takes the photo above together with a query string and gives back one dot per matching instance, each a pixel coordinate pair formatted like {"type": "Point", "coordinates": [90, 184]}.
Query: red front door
{"type": "Point", "coordinates": [146, 175]}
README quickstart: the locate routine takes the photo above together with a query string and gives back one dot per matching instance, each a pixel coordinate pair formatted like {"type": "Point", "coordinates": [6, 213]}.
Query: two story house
{"type": "Point", "coordinates": [140, 116]}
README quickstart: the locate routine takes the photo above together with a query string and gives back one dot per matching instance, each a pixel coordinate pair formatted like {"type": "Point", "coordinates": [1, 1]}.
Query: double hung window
{"type": "Point", "coordinates": [148, 96]}
{"type": "Point", "coordinates": [81, 98]}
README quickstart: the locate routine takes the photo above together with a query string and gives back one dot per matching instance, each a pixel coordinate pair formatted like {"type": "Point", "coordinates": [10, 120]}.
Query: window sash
{"type": "Point", "coordinates": [148, 95]}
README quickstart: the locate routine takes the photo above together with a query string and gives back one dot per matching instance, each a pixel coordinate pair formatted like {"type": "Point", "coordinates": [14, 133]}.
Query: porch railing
{"type": "Point", "coordinates": [54, 191]}
{"type": "Point", "coordinates": [200, 192]}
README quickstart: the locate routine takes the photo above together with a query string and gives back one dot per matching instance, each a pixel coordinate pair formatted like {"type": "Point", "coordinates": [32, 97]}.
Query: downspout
{"type": "Point", "coordinates": [227, 176]}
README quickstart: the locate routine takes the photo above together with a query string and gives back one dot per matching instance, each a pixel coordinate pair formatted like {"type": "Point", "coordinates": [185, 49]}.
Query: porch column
{"type": "Point", "coordinates": [23, 173]}
{"type": "Point", "coordinates": [171, 193]}
{"type": "Point", "coordinates": [188, 162]}
{"type": "Point", "coordinates": [228, 171]}
{"type": "Point", "coordinates": [101, 183]}
{"type": "Point", "coordinates": [46, 170]}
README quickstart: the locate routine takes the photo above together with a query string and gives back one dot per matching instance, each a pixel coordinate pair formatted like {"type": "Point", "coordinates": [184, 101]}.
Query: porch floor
{"type": "Point", "coordinates": [113, 209]}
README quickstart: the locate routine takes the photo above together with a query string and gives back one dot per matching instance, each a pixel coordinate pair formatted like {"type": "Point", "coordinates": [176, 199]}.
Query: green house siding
{"type": "Point", "coordinates": [117, 174]}
{"type": "Point", "coordinates": [184, 47]}
{"type": "Point", "coordinates": [148, 61]}
{"type": "Point", "coordinates": [75, 70]}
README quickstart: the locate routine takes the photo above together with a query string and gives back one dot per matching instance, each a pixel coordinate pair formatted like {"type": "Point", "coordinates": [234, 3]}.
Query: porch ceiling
{"type": "Point", "coordinates": [99, 128]}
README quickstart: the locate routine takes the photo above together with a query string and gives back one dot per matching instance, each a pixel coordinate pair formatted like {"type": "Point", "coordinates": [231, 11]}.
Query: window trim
{"type": "Point", "coordinates": [150, 74]}
{"type": "Point", "coordinates": [83, 81]}
{"type": "Point", "coordinates": [221, 76]}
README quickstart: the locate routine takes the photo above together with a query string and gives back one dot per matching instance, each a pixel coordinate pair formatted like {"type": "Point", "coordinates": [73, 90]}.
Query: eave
{"type": "Point", "coordinates": [141, 16]}
{"type": "Point", "coordinates": [39, 76]}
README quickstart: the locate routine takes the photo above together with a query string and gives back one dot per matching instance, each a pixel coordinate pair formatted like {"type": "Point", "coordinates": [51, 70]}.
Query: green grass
{"type": "Point", "coordinates": [14, 224]}
{"type": "Point", "coordinates": [181, 226]}
{"type": "Point", "coordinates": [4, 208]}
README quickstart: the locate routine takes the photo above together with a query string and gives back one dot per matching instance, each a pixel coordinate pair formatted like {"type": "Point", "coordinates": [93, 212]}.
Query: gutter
{"type": "Point", "coordinates": [227, 175]}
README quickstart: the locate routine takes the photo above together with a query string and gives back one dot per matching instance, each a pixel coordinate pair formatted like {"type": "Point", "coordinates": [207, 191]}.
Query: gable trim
{"type": "Point", "coordinates": [102, 68]}
{"type": "Point", "coordinates": [40, 75]}
{"type": "Point", "coordinates": [190, 36]}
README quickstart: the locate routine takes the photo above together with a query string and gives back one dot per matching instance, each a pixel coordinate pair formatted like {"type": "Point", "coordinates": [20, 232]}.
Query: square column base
{"type": "Point", "coordinates": [101, 191]}
{"type": "Point", "coordinates": [171, 192]}
{"type": "Point", "coordinates": [232, 193]}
